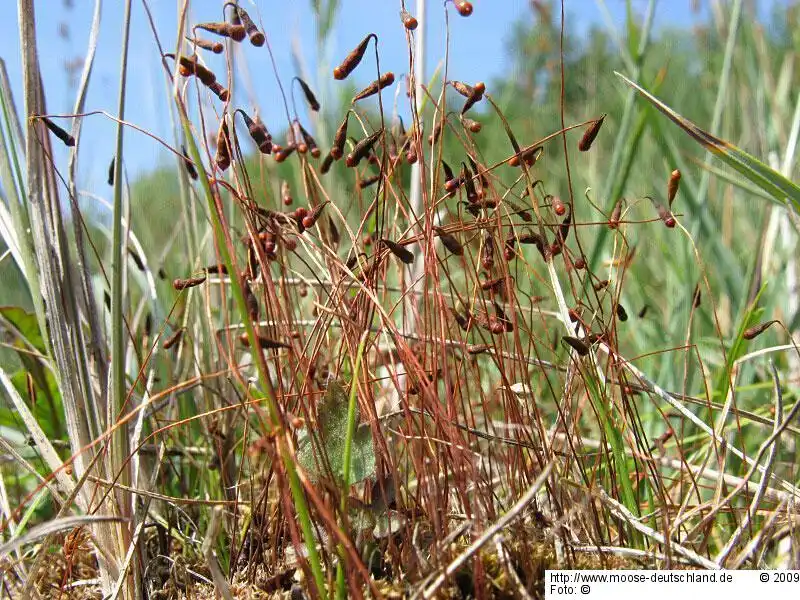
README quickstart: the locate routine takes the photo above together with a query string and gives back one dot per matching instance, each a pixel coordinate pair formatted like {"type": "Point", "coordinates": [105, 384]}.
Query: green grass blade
{"type": "Point", "coordinates": [751, 168]}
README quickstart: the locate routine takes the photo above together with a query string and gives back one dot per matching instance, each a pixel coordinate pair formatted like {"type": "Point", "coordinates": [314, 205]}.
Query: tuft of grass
{"type": "Point", "coordinates": [606, 386]}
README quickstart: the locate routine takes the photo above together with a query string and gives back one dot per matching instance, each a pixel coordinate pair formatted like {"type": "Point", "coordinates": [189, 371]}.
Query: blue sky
{"type": "Point", "coordinates": [478, 52]}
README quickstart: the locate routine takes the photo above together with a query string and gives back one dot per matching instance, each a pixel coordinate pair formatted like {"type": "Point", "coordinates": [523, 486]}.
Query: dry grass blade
{"type": "Point", "coordinates": [52, 527]}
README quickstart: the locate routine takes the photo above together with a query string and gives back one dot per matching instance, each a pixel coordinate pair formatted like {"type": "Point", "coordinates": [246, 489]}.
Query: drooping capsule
{"type": "Point", "coordinates": [591, 133]}
{"type": "Point", "coordinates": [576, 344]}
{"type": "Point", "coordinates": [558, 206]}
{"type": "Point", "coordinates": [235, 32]}
{"type": "Point", "coordinates": [487, 252]}
{"type": "Point", "coordinates": [472, 125]}
{"type": "Point", "coordinates": [409, 22]}
{"type": "Point", "coordinates": [664, 214]}
{"type": "Point", "coordinates": [215, 47]}
{"type": "Point", "coordinates": [188, 164]}
{"type": "Point", "coordinates": [352, 60]}
{"type": "Point", "coordinates": [251, 302]}
{"type": "Point", "coordinates": [311, 99]}
{"type": "Point", "coordinates": [362, 148]}
{"type": "Point", "coordinates": [385, 80]}
{"type": "Point", "coordinates": [757, 330]}
{"type": "Point", "coordinates": [339, 138]}
{"type": "Point", "coordinates": [616, 212]}
{"type": "Point", "coordinates": [223, 154]}
{"type": "Point", "coordinates": [463, 7]}
{"type": "Point", "coordinates": [672, 186]}
{"type": "Point", "coordinates": [622, 315]}
{"type": "Point", "coordinates": [405, 255]}
{"type": "Point", "coordinates": [313, 216]}
{"type": "Point", "coordinates": [59, 132]}
{"type": "Point", "coordinates": [449, 241]}
{"type": "Point", "coordinates": [368, 181]}
{"type": "Point", "coordinates": [477, 94]}
{"type": "Point", "coordinates": [257, 38]}
{"type": "Point", "coordinates": [173, 339]}
{"type": "Point", "coordinates": [183, 284]}
{"type": "Point", "coordinates": [529, 155]}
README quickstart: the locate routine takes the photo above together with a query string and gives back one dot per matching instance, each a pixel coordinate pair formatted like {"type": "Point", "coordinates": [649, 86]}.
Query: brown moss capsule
{"type": "Point", "coordinates": [59, 133]}
{"type": "Point", "coordinates": [496, 326]}
{"type": "Point", "coordinates": [578, 345]}
{"type": "Point", "coordinates": [282, 154]}
{"type": "Point", "coordinates": [622, 315]}
{"type": "Point", "coordinates": [256, 37]}
{"type": "Point", "coordinates": [473, 126]}
{"type": "Point", "coordinates": [405, 255]}
{"type": "Point", "coordinates": [463, 322]}
{"type": "Point", "coordinates": [477, 94]}
{"type": "Point", "coordinates": [643, 312]}
{"type": "Point", "coordinates": [223, 154]}
{"type": "Point", "coordinates": [469, 184]}
{"type": "Point", "coordinates": [221, 92]}
{"type": "Point", "coordinates": [409, 22]}
{"type": "Point", "coordinates": [352, 60]}
{"type": "Point", "coordinates": [449, 241]}
{"type": "Point", "coordinates": [362, 149]}
{"type": "Point", "coordinates": [308, 140]}
{"type": "Point", "coordinates": [757, 330]}
{"type": "Point", "coordinates": [502, 318]}
{"type": "Point", "coordinates": [235, 32]}
{"type": "Point", "coordinates": [385, 80]}
{"type": "Point", "coordinates": [367, 240]}
{"type": "Point", "coordinates": [487, 252]}
{"type": "Point", "coordinates": [672, 186]}
{"type": "Point", "coordinates": [215, 47]}
{"type": "Point", "coordinates": [182, 284]}
{"type": "Point", "coordinates": [558, 206]}
{"type": "Point", "coordinates": [365, 183]}
{"type": "Point", "coordinates": [616, 212]}
{"type": "Point", "coordinates": [327, 163]}
{"type": "Point", "coordinates": [411, 156]}
{"type": "Point", "coordinates": [111, 171]}
{"type": "Point", "coordinates": [664, 214]}
{"type": "Point", "coordinates": [474, 349]}
{"type": "Point", "coordinates": [697, 296]}
{"type": "Point", "coordinates": [509, 254]}
{"type": "Point", "coordinates": [463, 88]}
{"type": "Point", "coordinates": [529, 155]}
{"type": "Point", "coordinates": [173, 339]}
{"type": "Point", "coordinates": [313, 216]}
{"type": "Point", "coordinates": [251, 302]}
{"type": "Point", "coordinates": [436, 133]}
{"type": "Point", "coordinates": [219, 269]}
{"type": "Point", "coordinates": [588, 138]}
{"type": "Point", "coordinates": [264, 342]}
{"type": "Point", "coordinates": [297, 137]}
{"type": "Point", "coordinates": [188, 164]}
{"type": "Point", "coordinates": [463, 7]}
{"type": "Point", "coordinates": [492, 284]}
{"type": "Point", "coordinates": [580, 263]}
{"type": "Point", "coordinates": [601, 285]}
{"type": "Point", "coordinates": [313, 104]}
{"type": "Point", "coordinates": [286, 193]}
{"type": "Point", "coordinates": [451, 182]}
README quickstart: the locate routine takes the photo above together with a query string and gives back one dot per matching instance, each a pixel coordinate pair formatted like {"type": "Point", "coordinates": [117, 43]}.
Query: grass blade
{"type": "Point", "coordinates": [751, 168]}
